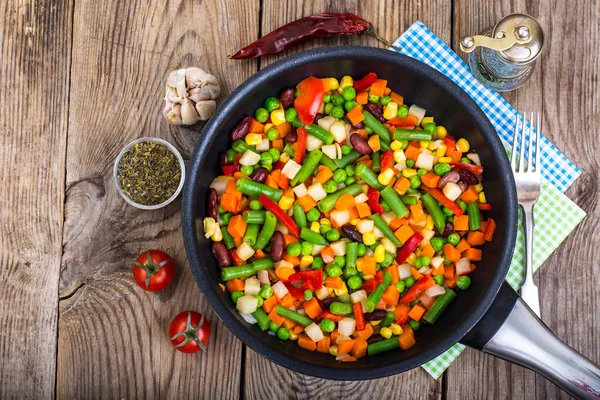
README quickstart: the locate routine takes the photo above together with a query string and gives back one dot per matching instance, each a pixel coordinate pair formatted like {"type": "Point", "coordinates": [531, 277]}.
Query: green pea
{"type": "Point", "coordinates": [385, 100]}
{"type": "Point", "coordinates": [441, 169]}
{"type": "Point", "coordinates": [327, 98]}
{"type": "Point", "coordinates": [350, 170]}
{"type": "Point", "coordinates": [410, 162]}
{"type": "Point", "coordinates": [307, 248]}
{"type": "Point", "coordinates": [415, 325]}
{"type": "Point", "coordinates": [402, 111]}
{"type": "Point", "coordinates": [462, 205]}
{"type": "Point", "coordinates": [260, 301]}
{"type": "Point", "coordinates": [272, 134]}
{"type": "Point", "coordinates": [266, 291]}
{"type": "Point", "coordinates": [247, 170]}
{"type": "Point", "coordinates": [400, 286]}
{"type": "Point", "coordinates": [236, 295]}
{"type": "Point", "coordinates": [463, 282]}
{"type": "Point", "coordinates": [296, 92]}
{"type": "Point", "coordinates": [340, 260]}
{"type": "Point", "coordinates": [415, 182]}
{"type": "Point", "coordinates": [313, 215]}
{"type": "Point", "coordinates": [454, 238]}
{"type": "Point", "coordinates": [348, 93]}
{"type": "Point", "coordinates": [349, 105]}
{"type": "Point", "coordinates": [318, 263]}
{"type": "Point", "coordinates": [333, 235]}
{"type": "Point", "coordinates": [425, 261]}
{"type": "Point", "coordinates": [324, 228]}
{"type": "Point", "coordinates": [291, 114]}
{"type": "Point", "coordinates": [421, 172]}
{"type": "Point", "coordinates": [294, 249]}
{"type": "Point", "coordinates": [339, 175]}
{"type": "Point", "coordinates": [362, 250]}
{"type": "Point", "coordinates": [225, 218]}
{"type": "Point", "coordinates": [261, 115]}
{"type": "Point", "coordinates": [231, 153]}
{"type": "Point", "coordinates": [447, 212]}
{"type": "Point", "coordinates": [271, 104]}
{"type": "Point", "coordinates": [327, 325]}
{"type": "Point", "coordinates": [283, 333]}
{"type": "Point", "coordinates": [429, 127]}
{"type": "Point", "coordinates": [418, 263]}
{"type": "Point", "coordinates": [350, 272]}
{"type": "Point", "coordinates": [308, 295]}
{"type": "Point", "coordinates": [334, 270]}
{"type": "Point", "coordinates": [330, 186]}
{"type": "Point", "coordinates": [275, 154]}
{"type": "Point", "coordinates": [337, 99]}
{"type": "Point", "coordinates": [349, 180]}
{"type": "Point", "coordinates": [437, 243]}
{"type": "Point", "coordinates": [337, 112]}
{"type": "Point", "coordinates": [256, 205]}
{"type": "Point", "coordinates": [267, 165]}
{"type": "Point", "coordinates": [221, 210]}
{"type": "Point", "coordinates": [373, 99]}
{"type": "Point", "coordinates": [465, 160]}
{"type": "Point", "coordinates": [409, 282]}
{"type": "Point", "coordinates": [266, 158]}
{"type": "Point", "coordinates": [328, 108]}
{"type": "Point", "coordinates": [439, 279]}
{"type": "Point", "coordinates": [354, 282]}
{"type": "Point", "coordinates": [273, 327]}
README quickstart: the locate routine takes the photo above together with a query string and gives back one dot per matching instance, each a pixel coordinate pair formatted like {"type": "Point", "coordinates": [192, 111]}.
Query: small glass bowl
{"type": "Point", "coordinates": [181, 165]}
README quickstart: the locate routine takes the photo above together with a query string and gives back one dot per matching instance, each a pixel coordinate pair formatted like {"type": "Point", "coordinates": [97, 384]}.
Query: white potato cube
{"type": "Point", "coordinates": [452, 191]}
{"type": "Point", "coordinates": [338, 130]}
{"type": "Point", "coordinates": [417, 111]}
{"type": "Point", "coordinates": [244, 251]}
{"type": "Point", "coordinates": [312, 142]}
{"type": "Point", "coordinates": [339, 247]}
{"type": "Point", "coordinates": [424, 161]}
{"type": "Point", "coordinates": [314, 332]}
{"type": "Point", "coordinates": [247, 304]}
{"type": "Point", "coordinates": [290, 169]}
{"type": "Point", "coordinates": [330, 151]}
{"type": "Point", "coordinates": [347, 326]}
{"type": "Point", "coordinates": [365, 225]}
{"type": "Point", "coordinates": [326, 122]}
{"type": "Point", "coordinates": [316, 191]}
{"type": "Point", "coordinates": [250, 158]}
{"type": "Point", "coordinates": [300, 190]}
{"type": "Point", "coordinates": [340, 217]}
{"type": "Point", "coordinates": [252, 286]}
{"type": "Point", "coordinates": [263, 146]}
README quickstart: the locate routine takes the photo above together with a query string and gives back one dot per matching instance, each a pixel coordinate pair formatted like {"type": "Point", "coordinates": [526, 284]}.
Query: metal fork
{"type": "Point", "coordinates": [528, 183]}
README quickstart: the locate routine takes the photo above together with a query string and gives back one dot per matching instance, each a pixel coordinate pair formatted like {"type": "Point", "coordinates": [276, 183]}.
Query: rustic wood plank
{"type": "Point", "coordinates": [261, 373]}
{"type": "Point", "coordinates": [564, 86]}
{"type": "Point", "coordinates": [35, 51]}
{"type": "Point", "coordinates": [112, 335]}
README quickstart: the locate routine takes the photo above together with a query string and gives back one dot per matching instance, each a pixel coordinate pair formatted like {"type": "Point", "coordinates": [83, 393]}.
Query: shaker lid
{"type": "Point", "coordinates": [529, 33]}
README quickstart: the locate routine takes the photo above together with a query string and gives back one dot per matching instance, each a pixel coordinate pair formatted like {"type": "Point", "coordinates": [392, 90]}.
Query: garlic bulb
{"type": "Point", "coordinates": [190, 96]}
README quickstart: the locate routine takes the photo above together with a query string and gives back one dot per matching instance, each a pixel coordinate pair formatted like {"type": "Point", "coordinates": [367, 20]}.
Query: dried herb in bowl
{"type": "Point", "coordinates": [148, 173]}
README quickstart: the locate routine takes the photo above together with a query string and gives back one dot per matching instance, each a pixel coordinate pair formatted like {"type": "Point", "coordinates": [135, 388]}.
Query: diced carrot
{"type": "Point", "coordinates": [312, 308]}
{"type": "Point", "coordinates": [283, 129]}
{"type": "Point", "coordinates": [470, 195]}
{"type": "Point", "coordinates": [327, 254]}
{"type": "Point", "coordinates": [473, 254]}
{"type": "Point", "coordinates": [345, 202]}
{"type": "Point", "coordinates": [334, 283]}
{"type": "Point", "coordinates": [461, 223]}
{"type": "Point", "coordinates": [449, 272]}
{"type": "Point", "coordinates": [490, 229]}
{"type": "Point", "coordinates": [287, 301]}
{"type": "Point", "coordinates": [269, 304]}
{"type": "Point", "coordinates": [362, 98]}
{"type": "Point", "coordinates": [359, 349]}
{"type": "Point", "coordinates": [451, 283]}
{"type": "Point", "coordinates": [374, 143]}
{"type": "Point", "coordinates": [406, 342]}
{"type": "Point", "coordinates": [324, 344]}
{"type": "Point", "coordinates": [378, 88]}
{"type": "Point", "coordinates": [451, 253]}
{"type": "Point", "coordinates": [271, 182]}
{"type": "Point", "coordinates": [231, 187]}
{"type": "Point", "coordinates": [278, 144]}
{"type": "Point", "coordinates": [298, 329]}
{"type": "Point", "coordinates": [363, 210]}
{"type": "Point", "coordinates": [483, 226]}
{"type": "Point", "coordinates": [259, 254]}
{"type": "Point", "coordinates": [397, 98]}
{"type": "Point", "coordinates": [387, 91]}
{"type": "Point", "coordinates": [428, 251]}
{"type": "Point", "coordinates": [288, 323]}
{"type": "Point", "coordinates": [369, 266]}
{"type": "Point", "coordinates": [416, 312]}
{"type": "Point", "coordinates": [415, 273]}
{"type": "Point", "coordinates": [256, 127]}
{"type": "Point", "coordinates": [306, 342]}
{"type": "Point", "coordinates": [416, 210]}
{"type": "Point", "coordinates": [456, 156]}
{"type": "Point", "coordinates": [430, 180]}
{"type": "Point", "coordinates": [397, 223]}
{"type": "Point", "coordinates": [238, 174]}
{"type": "Point", "coordinates": [391, 295]}
{"type": "Point", "coordinates": [235, 285]}
{"type": "Point", "coordinates": [402, 185]}
{"type": "Point", "coordinates": [438, 271]}
{"type": "Point", "coordinates": [365, 333]}
{"type": "Point", "coordinates": [307, 203]}
{"type": "Point", "coordinates": [462, 245]}
{"type": "Point", "coordinates": [273, 316]}
{"type": "Point", "coordinates": [353, 211]}
{"type": "Point", "coordinates": [238, 242]}
{"type": "Point", "coordinates": [407, 331]}
{"type": "Point", "coordinates": [345, 347]}
{"type": "Point", "coordinates": [476, 238]}
{"type": "Point", "coordinates": [326, 84]}
{"type": "Point", "coordinates": [334, 336]}
{"type": "Point", "coordinates": [412, 152]}
{"type": "Point", "coordinates": [229, 202]}
{"type": "Point", "coordinates": [403, 233]}
{"type": "Point", "coordinates": [363, 159]}
{"type": "Point", "coordinates": [355, 116]}
{"type": "Point", "coordinates": [289, 239]}
{"type": "Point", "coordinates": [237, 226]}
{"type": "Point", "coordinates": [393, 271]}
{"type": "Point", "coordinates": [348, 359]}
{"type": "Point", "coordinates": [324, 174]}
{"type": "Point", "coordinates": [289, 192]}
{"type": "Point", "coordinates": [295, 261]}
{"type": "Point", "coordinates": [368, 163]}
{"type": "Point", "coordinates": [401, 312]}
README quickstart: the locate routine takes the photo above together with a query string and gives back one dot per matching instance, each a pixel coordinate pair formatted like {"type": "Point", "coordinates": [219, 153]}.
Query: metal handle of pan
{"type": "Point", "coordinates": [524, 339]}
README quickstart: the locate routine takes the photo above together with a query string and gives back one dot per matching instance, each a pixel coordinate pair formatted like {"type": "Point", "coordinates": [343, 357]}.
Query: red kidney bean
{"type": "Point", "coordinates": [352, 233]}
{"type": "Point", "coordinates": [375, 111]}
{"type": "Point", "coordinates": [374, 338]}
{"type": "Point", "coordinates": [448, 229]}
{"type": "Point", "coordinates": [291, 137]}
{"type": "Point", "coordinates": [451, 176]}
{"type": "Point", "coordinates": [223, 160]}
{"type": "Point", "coordinates": [277, 246]}
{"type": "Point", "coordinates": [462, 185]}
{"type": "Point", "coordinates": [360, 125]}
{"type": "Point", "coordinates": [376, 315]}
{"type": "Point", "coordinates": [468, 177]}
{"type": "Point", "coordinates": [242, 129]}
{"type": "Point", "coordinates": [259, 175]}
{"type": "Point", "coordinates": [221, 253]}
{"type": "Point", "coordinates": [327, 302]}
{"type": "Point", "coordinates": [360, 144]}
{"type": "Point", "coordinates": [287, 98]}
{"type": "Point", "coordinates": [213, 203]}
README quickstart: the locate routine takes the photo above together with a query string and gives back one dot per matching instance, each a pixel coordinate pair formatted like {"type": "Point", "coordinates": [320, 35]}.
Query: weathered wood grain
{"type": "Point", "coordinates": [391, 18]}
{"type": "Point", "coordinates": [112, 335]}
{"type": "Point", "coordinates": [35, 49]}
{"type": "Point", "coordinates": [564, 86]}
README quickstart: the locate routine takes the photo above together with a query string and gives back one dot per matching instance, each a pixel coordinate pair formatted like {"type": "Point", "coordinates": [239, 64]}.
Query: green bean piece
{"type": "Point", "coordinates": [227, 238]}
{"type": "Point", "coordinates": [439, 306]}
{"type": "Point", "coordinates": [240, 146]}
{"type": "Point", "coordinates": [377, 127]}
{"type": "Point", "coordinates": [262, 319]}
{"type": "Point", "coordinates": [384, 345]}
{"type": "Point", "coordinates": [348, 159]}
{"type": "Point", "coordinates": [293, 315]}
{"type": "Point", "coordinates": [376, 295]}
{"type": "Point", "coordinates": [263, 263]}
{"type": "Point", "coordinates": [385, 229]}
{"type": "Point", "coordinates": [312, 237]}
{"type": "Point", "coordinates": [308, 165]}
{"type": "Point", "coordinates": [383, 146]}
{"type": "Point", "coordinates": [254, 217]}
{"type": "Point", "coordinates": [435, 211]}
{"type": "Point", "coordinates": [339, 308]}
{"type": "Point", "coordinates": [328, 162]}
{"type": "Point", "coordinates": [322, 134]}
{"type": "Point", "coordinates": [409, 200]}
{"type": "Point", "coordinates": [251, 188]}
{"type": "Point", "coordinates": [388, 319]}
{"type": "Point", "coordinates": [246, 270]}
{"type": "Point", "coordinates": [351, 254]}
{"type": "Point", "coordinates": [288, 150]}
{"type": "Point", "coordinates": [408, 134]}
{"type": "Point", "coordinates": [368, 176]}
{"type": "Point", "coordinates": [299, 216]}
{"type": "Point", "coordinates": [376, 158]}
{"type": "Point", "coordinates": [397, 206]}
{"type": "Point", "coordinates": [474, 216]}
{"type": "Point", "coordinates": [327, 203]}
{"type": "Point", "coordinates": [267, 231]}
{"type": "Point", "coordinates": [251, 234]}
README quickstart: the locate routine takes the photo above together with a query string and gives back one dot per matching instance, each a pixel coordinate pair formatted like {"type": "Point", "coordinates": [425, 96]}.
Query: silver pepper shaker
{"type": "Point", "coordinates": [503, 57]}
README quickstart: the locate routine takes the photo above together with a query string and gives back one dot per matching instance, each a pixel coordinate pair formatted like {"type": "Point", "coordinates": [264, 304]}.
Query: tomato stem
{"type": "Point", "coordinates": [190, 333]}
{"type": "Point", "coordinates": [150, 268]}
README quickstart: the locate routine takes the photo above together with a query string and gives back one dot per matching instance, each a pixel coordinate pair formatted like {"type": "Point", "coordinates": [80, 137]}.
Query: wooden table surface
{"type": "Point", "coordinates": [82, 78]}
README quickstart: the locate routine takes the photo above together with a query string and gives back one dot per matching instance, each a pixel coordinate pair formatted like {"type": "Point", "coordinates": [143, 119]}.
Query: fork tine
{"type": "Point", "coordinates": [538, 156]}
{"type": "Point", "coordinates": [513, 156]}
{"type": "Point", "coordinates": [522, 152]}
{"type": "Point", "coordinates": [530, 150]}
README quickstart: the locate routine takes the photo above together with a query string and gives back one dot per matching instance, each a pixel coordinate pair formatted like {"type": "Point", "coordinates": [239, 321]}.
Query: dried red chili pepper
{"type": "Point", "coordinates": [307, 28]}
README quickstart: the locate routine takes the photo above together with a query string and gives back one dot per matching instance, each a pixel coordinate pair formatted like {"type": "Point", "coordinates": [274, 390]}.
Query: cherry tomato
{"type": "Point", "coordinates": [153, 270]}
{"type": "Point", "coordinates": [189, 332]}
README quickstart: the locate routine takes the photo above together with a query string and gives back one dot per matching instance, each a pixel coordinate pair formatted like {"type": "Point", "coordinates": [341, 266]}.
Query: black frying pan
{"type": "Point", "coordinates": [488, 316]}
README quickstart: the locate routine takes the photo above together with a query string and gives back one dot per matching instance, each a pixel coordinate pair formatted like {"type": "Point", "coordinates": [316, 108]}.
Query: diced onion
{"type": "Point", "coordinates": [263, 277]}
{"type": "Point", "coordinates": [249, 158]}
{"type": "Point", "coordinates": [316, 191]}
{"type": "Point", "coordinates": [249, 318]}
{"type": "Point", "coordinates": [338, 248]}
{"type": "Point", "coordinates": [300, 190]}
{"type": "Point", "coordinates": [359, 296]}
{"type": "Point", "coordinates": [338, 131]}
{"type": "Point", "coordinates": [452, 191]}
{"type": "Point", "coordinates": [220, 183]}
{"type": "Point", "coordinates": [244, 251]}
{"type": "Point", "coordinates": [346, 326]}
{"type": "Point", "coordinates": [424, 161]}
{"type": "Point", "coordinates": [252, 286]}
{"type": "Point", "coordinates": [322, 293]}
{"type": "Point", "coordinates": [314, 332]}
{"type": "Point", "coordinates": [435, 291]}
{"type": "Point", "coordinates": [418, 112]}
{"type": "Point", "coordinates": [426, 300]}
{"type": "Point", "coordinates": [425, 270]}
{"type": "Point", "coordinates": [247, 304]}
{"type": "Point", "coordinates": [312, 142]}
{"type": "Point", "coordinates": [326, 122]}
{"type": "Point", "coordinates": [365, 225]}
{"type": "Point", "coordinates": [340, 217]}
{"type": "Point", "coordinates": [290, 169]}
{"type": "Point", "coordinates": [463, 266]}
{"type": "Point", "coordinates": [388, 245]}
{"type": "Point", "coordinates": [317, 249]}
{"type": "Point", "coordinates": [339, 150]}
{"type": "Point", "coordinates": [437, 261]}
{"type": "Point", "coordinates": [388, 217]}
{"type": "Point", "coordinates": [361, 198]}
{"type": "Point", "coordinates": [475, 158]}
{"type": "Point", "coordinates": [330, 151]}
{"type": "Point", "coordinates": [378, 233]}
{"type": "Point", "coordinates": [263, 146]}
{"type": "Point", "coordinates": [282, 228]}
{"type": "Point", "coordinates": [280, 290]}
{"type": "Point", "coordinates": [327, 259]}
{"type": "Point", "coordinates": [404, 271]}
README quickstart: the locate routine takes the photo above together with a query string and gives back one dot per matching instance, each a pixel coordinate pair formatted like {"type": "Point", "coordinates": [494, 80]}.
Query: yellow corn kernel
{"type": "Point", "coordinates": [293, 335]}
{"type": "Point", "coordinates": [396, 145]}
{"type": "Point", "coordinates": [478, 188]}
{"type": "Point", "coordinates": [482, 198]}
{"type": "Point", "coordinates": [346, 81]}
{"type": "Point", "coordinates": [441, 150]}
{"type": "Point", "coordinates": [463, 145]}
{"type": "Point", "coordinates": [409, 172]}
{"type": "Point", "coordinates": [354, 221]}
{"type": "Point", "coordinates": [385, 332]}
{"type": "Point", "coordinates": [252, 139]}
{"type": "Point", "coordinates": [267, 127]}
{"type": "Point", "coordinates": [379, 254]}
{"type": "Point", "coordinates": [218, 235]}
{"type": "Point", "coordinates": [445, 160]}
{"type": "Point", "coordinates": [426, 120]}
{"type": "Point", "coordinates": [325, 221]}
{"type": "Point", "coordinates": [396, 329]}
{"type": "Point", "coordinates": [431, 146]}
{"type": "Point", "coordinates": [329, 291]}
{"type": "Point", "coordinates": [386, 176]}
{"type": "Point", "coordinates": [359, 264]}
{"type": "Point", "coordinates": [278, 117]}
{"type": "Point", "coordinates": [429, 223]}
{"type": "Point", "coordinates": [411, 259]}
{"type": "Point", "coordinates": [339, 292]}
{"type": "Point", "coordinates": [391, 110]}
{"type": "Point", "coordinates": [333, 350]}
{"type": "Point", "coordinates": [440, 132]}
{"type": "Point", "coordinates": [210, 225]}
{"type": "Point", "coordinates": [284, 157]}
{"type": "Point", "coordinates": [333, 84]}
{"type": "Point", "coordinates": [399, 156]}
{"type": "Point", "coordinates": [285, 203]}
{"type": "Point", "coordinates": [374, 323]}
{"type": "Point", "coordinates": [315, 227]}
{"type": "Point", "coordinates": [306, 261]}
{"type": "Point", "coordinates": [369, 238]}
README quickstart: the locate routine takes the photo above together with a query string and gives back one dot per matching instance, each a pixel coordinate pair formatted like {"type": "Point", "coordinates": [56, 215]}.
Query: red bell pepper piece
{"type": "Point", "coordinates": [229, 170]}
{"type": "Point", "coordinates": [387, 160]}
{"type": "Point", "coordinates": [450, 142]}
{"type": "Point", "coordinates": [441, 197]}
{"type": "Point", "coordinates": [369, 286]}
{"type": "Point", "coordinates": [278, 165]}
{"type": "Point", "coordinates": [373, 200]}
{"type": "Point", "coordinates": [408, 247]}
{"type": "Point", "coordinates": [402, 320]}
{"type": "Point", "coordinates": [309, 100]}
{"type": "Point", "coordinates": [406, 122]}
{"type": "Point", "coordinates": [484, 206]}
{"type": "Point", "coordinates": [419, 287]}
{"type": "Point", "coordinates": [329, 315]}
{"type": "Point", "coordinates": [236, 259]}
{"type": "Point", "coordinates": [300, 145]}
{"type": "Point", "coordinates": [476, 169]}
{"type": "Point", "coordinates": [359, 317]}
{"type": "Point", "coordinates": [289, 223]}
{"type": "Point", "coordinates": [379, 277]}
{"type": "Point", "coordinates": [310, 280]}
{"type": "Point", "coordinates": [364, 83]}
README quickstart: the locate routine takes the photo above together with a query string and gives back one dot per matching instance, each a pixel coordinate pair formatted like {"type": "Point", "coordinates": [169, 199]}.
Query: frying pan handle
{"type": "Point", "coordinates": [522, 338]}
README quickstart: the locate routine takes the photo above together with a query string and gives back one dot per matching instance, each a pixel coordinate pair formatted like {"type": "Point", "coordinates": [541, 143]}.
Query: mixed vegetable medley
{"type": "Point", "coordinates": [345, 219]}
